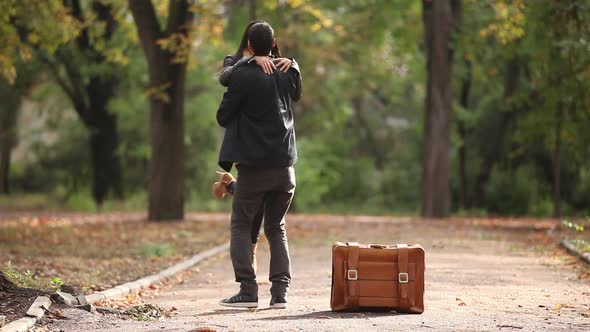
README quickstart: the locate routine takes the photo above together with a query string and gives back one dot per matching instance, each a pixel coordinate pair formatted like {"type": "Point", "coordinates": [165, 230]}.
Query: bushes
{"type": "Point", "coordinates": [517, 193]}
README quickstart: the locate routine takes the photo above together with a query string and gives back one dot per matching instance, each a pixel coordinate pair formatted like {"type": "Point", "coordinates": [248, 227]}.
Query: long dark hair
{"type": "Point", "coordinates": [276, 52]}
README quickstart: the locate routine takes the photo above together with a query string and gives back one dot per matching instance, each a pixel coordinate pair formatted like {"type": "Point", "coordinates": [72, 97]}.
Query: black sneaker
{"type": "Point", "coordinates": [278, 302]}
{"type": "Point", "coordinates": [240, 301]}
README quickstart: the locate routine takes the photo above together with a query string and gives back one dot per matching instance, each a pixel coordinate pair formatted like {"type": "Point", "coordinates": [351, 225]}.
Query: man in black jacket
{"type": "Point", "coordinates": [260, 140]}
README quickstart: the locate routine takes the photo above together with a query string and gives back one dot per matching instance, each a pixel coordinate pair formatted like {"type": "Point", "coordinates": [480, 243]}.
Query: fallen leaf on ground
{"type": "Point", "coordinates": [458, 299]}
{"type": "Point", "coordinates": [57, 313]}
{"type": "Point", "coordinates": [203, 329]}
{"type": "Point", "coordinates": [586, 314]}
{"type": "Point", "coordinates": [462, 304]}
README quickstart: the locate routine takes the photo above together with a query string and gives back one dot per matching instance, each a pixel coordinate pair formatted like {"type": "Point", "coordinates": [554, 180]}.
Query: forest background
{"type": "Point", "coordinates": [435, 107]}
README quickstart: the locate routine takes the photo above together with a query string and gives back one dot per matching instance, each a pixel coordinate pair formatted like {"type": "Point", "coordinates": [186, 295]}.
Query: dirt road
{"type": "Point", "coordinates": [476, 280]}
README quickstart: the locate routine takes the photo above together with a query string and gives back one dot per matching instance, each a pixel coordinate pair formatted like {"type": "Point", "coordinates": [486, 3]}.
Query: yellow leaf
{"type": "Point", "coordinates": [33, 37]}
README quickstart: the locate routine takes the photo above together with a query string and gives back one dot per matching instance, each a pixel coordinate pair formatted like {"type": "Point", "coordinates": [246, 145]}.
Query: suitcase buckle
{"type": "Point", "coordinates": [352, 275]}
{"type": "Point", "coordinates": [403, 278]}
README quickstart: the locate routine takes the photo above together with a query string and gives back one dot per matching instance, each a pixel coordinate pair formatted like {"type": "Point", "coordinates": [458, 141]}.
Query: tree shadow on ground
{"type": "Point", "coordinates": [332, 315]}
{"type": "Point", "coordinates": [310, 315]}
{"type": "Point", "coordinates": [217, 312]}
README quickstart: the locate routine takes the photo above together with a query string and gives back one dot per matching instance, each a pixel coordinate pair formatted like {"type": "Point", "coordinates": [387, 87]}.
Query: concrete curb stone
{"type": "Point", "coordinates": [38, 307]}
{"type": "Point", "coordinates": [36, 310]}
{"type": "Point", "coordinates": [20, 325]}
{"type": "Point", "coordinates": [571, 248]}
{"type": "Point", "coordinates": [65, 298]}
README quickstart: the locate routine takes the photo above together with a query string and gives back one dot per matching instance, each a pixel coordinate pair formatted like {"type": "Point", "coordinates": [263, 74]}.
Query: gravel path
{"type": "Point", "coordinates": [476, 280]}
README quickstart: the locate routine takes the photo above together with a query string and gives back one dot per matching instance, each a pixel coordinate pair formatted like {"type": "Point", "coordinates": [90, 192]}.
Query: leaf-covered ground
{"type": "Point", "coordinates": [482, 275]}
{"type": "Point", "coordinates": [97, 256]}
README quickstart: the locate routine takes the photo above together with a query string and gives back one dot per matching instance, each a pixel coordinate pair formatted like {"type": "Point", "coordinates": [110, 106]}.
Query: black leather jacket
{"type": "Point", "coordinates": [256, 112]}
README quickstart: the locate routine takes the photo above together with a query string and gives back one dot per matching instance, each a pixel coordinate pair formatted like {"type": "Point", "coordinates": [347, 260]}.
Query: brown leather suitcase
{"type": "Point", "coordinates": [376, 276]}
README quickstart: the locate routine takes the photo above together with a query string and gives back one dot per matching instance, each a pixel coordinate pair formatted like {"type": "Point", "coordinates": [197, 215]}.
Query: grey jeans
{"type": "Point", "coordinates": [272, 188]}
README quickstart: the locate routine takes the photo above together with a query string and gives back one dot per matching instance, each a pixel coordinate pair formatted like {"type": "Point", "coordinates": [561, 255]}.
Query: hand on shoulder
{"type": "Point", "coordinates": [265, 63]}
{"type": "Point", "coordinates": [283, 64]}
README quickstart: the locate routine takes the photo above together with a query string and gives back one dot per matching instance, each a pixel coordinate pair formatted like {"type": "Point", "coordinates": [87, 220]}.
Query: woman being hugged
{"type": "Point", "coordinates": [244, 55]}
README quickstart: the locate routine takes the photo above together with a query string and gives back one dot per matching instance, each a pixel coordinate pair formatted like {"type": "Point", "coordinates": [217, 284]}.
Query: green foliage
{"type": "Point", "coordinates": [28, 279]}
{"type": "Point", "coordinates": [20, 279]}
{"type": "Point", "coordinates": [359, 124]}
{"type": "Point", "coordinates": [582, 246]}
{"type": "Point", "coordinates": [20, 31]}
{"type": "Point", "coordinates": [578, 227]}
{"type": "Point", "coordinates": [153, 250]}
{"type": "Point", "coordinates": [514, 193]}
{"type": "Point", "coordinates": [56, 282]}
{"type": "Point", "coordinates": [317, 173]}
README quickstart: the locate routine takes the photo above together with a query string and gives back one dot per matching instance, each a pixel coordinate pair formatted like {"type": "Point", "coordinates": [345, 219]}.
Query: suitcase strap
{"type": "Point", "coordinates": [352, 275]}
{"type": "Point", "coordinates": [403, 277]}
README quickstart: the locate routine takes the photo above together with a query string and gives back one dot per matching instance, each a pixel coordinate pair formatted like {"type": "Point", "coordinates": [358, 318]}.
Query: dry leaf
{"type": "Point", "coordinates": [462, 304]}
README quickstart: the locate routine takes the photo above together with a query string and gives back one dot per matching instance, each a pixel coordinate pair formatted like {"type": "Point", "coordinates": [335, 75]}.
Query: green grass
{"type": "Point", "coordinates": [28, 279]}
{"type": "Point", "coordinates": [152, 250]}
{"type": "Point", "coordinates": [582, 245]}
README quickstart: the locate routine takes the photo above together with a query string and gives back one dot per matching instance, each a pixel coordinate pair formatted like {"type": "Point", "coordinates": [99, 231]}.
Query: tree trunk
{"type": "Point", "coordinates": [438, 23]}
{"type": "Point", "coordinates": [90, 95]}
{"type": "Point", "coordinates": [252, 9]}
{"type": "Point", "coordinates": [365, 132]}
{"type": "Point", "coordinates": [167, 168]}
{"type": "Point", "coordinates": [6, 144]}
{"type": "Point", "coordinates": [557, 163]}
{"type": "Point", "coordinates": [495, 149]}
{"type": "Point", "coordinates": [104, 140]}
{"type": "Point", "coordinates": [465, 90]}
{"type": "Point", "coordinates": [167, 164]}
{"type": "Point", "coordinates": [11, 100]}
{"type": "Point", "coordinates": [5, 152]}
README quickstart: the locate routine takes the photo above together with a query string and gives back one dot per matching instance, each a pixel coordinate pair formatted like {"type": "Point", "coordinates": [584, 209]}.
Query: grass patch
{"type": "Point", "coordinates": [151, 250]}
{"type": "Point", "coordinates": [28, 279]}
{"type": "Point", "coordinates": [581, 245]}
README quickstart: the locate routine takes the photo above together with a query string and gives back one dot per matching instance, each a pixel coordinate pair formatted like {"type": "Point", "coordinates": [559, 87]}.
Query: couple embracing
{"type": "Point", "coordinates": [260, 141]}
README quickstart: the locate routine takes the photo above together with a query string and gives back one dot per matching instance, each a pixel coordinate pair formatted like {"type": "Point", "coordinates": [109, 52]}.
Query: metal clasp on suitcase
{"type": "Point", "coordinates": [352, 275]}
{"type": "Point", "coordinates": [403, 278]}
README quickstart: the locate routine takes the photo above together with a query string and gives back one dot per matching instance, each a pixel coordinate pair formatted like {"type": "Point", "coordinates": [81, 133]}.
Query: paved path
{"type": "Point", "coordinates": [476, 280]}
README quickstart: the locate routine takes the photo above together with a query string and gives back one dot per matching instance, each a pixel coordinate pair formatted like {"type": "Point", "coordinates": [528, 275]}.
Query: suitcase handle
{"type": "Point", "coordinates": [378, 246]}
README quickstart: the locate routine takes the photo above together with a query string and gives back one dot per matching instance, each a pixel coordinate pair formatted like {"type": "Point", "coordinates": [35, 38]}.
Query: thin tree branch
{"type": "Point", "coordinates": [68, 90]}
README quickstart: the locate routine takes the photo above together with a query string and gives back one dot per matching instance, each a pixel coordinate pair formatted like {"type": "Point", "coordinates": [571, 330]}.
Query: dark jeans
{"type": "Point", "coordinates": [256, 225]}
{"type": "Point", "coordinates": [272, 189]}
